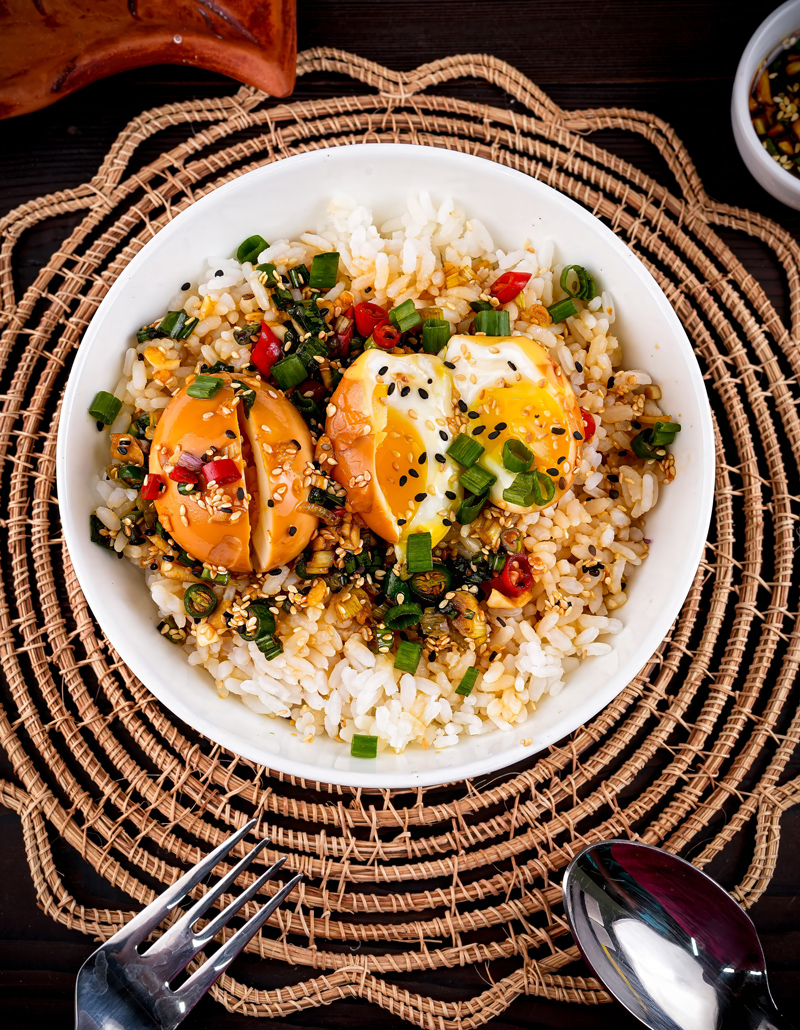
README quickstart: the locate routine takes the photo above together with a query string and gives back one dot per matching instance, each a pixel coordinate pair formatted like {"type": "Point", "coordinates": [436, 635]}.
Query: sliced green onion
{"type": "Point", "coordinates": [272, 273]}
{"type": "Point", "coordinates": [363, 746]}
{"type": "Point", "coordinates": [435, 334]}
{"type": "Point", "coordinates": [493, 323]}
{"type": "Point", "coordinates": [403, 615]}
{"type": "Point", "coordinates": [516, 456]}
{"type": "Point", "coordinates": [172, 324]}
{"type": "Point", "coordinates": [586, 287]}
{"type": "Point", "coordinates": [139, 426]}
{"type": "Point", "coordinates": [188, 328]}
{"type": "Point", "coordinates": [289, 372]}
{"type": "Point", "coordinates": [464, 688]}
{"type": "Point", "coordinates": [408, 656]}
{"type": "Point", "coordinates": [310, 349]}
{"type": "Point", "coordinates": [324, 269]}
{"type": "Point", "coordinates": [269, 646]}
{"type": "Point", "coordinates": [562, 309]}
{"type": "Point", "coordinates": [497, 562]}
{"type": "Point", "coordinates": [530, 488]}
{"type": "Point", "coordinates": [298, 276]}
{"type": "Point", "coordinates": [96, 536]}
{"type": "Point", "coordinates": [169, 628]}
{"type": "Point", "coordinates": [187, 488]}
{"type": "Point", "coordinates": [221, 578]}
{"type": "Point", "coordinates": [419, 556]}
{"type": "Point", "coordinates": [205, 387]}
{"type": "Point", "coordinates": [663, 433]}
{"type": "Point", "coordinates": [131, 475]}
{"type": "Point", "coordinates": [199, 601]}
{"type": "Point", "coordinates": [394, 586]}
{"type": "Point", "coordinates": [544, 488]}
{"type": "Point", "coordinates": [481, 305]}
{"type": "Point", "coordinates": [105, 407]}
{"type": "Point", "coordinates": [477, 480]}
{"type": "Point", "coordinates": [250, 248]}
{"type": "Point", "coordinates": [265, 621]}
{"type": "Point", "coordinates": [465, 450]}
{"type": "Point", "coordinates": [433, 585]}
{"type": "Point", "coordinates": [405, 316]}
{"type": "Point", "coordinates": [282, 299]}
{"type": "Point", "coordinates": [470, 508]}
{"type": "Point", "coordinates": [384, 639]}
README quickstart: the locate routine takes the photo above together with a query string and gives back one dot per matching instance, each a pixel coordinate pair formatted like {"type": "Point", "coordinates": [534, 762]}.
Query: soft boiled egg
{"type": "Point", "coordinates": [390, 423]}
{"type": "Point", "coordinates": [511, 389]}
{"type": "Point", "coordinates": [252, 522]}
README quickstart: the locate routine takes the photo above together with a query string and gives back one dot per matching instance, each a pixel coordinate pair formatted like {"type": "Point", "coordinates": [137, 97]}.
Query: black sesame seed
{"type": "Point", "coordinates": [423, 393]}
{"type": "Point", "coordinates": [552, 472]}
{"type": "Point", "coordinates": [218, 273]}
{"type": "Point", "coordinates": [292, 530]}
{"type": "Point", "coordinates": [478, 430]}
{"type": "Point", "coordinates": [577, 436]}
{"type": "Point", "coordinates": [296, 443]}
{"type": "Point", "coordinates": [230, 434]}
{"type": "Point", "coordinates": [610, 382]}
{"type": "Point", "coordinates": [440, 458]}
{"type": "Point", "coordinates": [561, 460]}
{"type": "Point", "coordinates": [592, 550]}
{"type": "Point", "coordinates": [405, 391]}
{"type": "Point", "coordinates": [275, 572]}
{"type": "Point", "coordinates": [494, 435]}
{"type": "Point", "coordinates": [270, 503]}
{"type": "Point", "coordinates": [240, 493]}
{"type": "Point", "coordinates": [419, 497]}
{"type": "Point", "coordinates": [613, 494]}
{"type": "Point", "coordinates": [623, 454]}
{"type": "Point", "coordinates": [154, 567]}
{"type": "Point", "coordinates": [557, 430]}
{"type": "Point", "coordinates": [447, 522]}
{"type": "Point", "coordinates": [450, 495]}
{"type": "Point", "coordinates": [390, 391]}
{"type": "Point", "coordinates": [403, 480]}
{"type": "Point", "coordinates": [501, 621]}
{"type": "Point", "coordinates": [443, 435]}
{"type": "Point", "coordinates": [186, 286]}
{"type": "Point", "coordinates": [512, 366]}
{"type": "Point", "coordinates": [562, 483]}
{"type": "Point", "coordinates": [382, 371]}
{"type": "Point", "coordinates": [595, 571]}
{"type": "Point", "coordinates": [422, 458]}
{"type": "Point", "coordinates": [492, 656]}
{"type": "Point", "coordinates": [449, 364]}
{"type": "Point", "coordinates": [227, 509]}
{"type": "Point", "coordinates": [578, 366]}
{"type": "Point", "coordinates": [413, 473]}
{"type": "Point", "coordinates": [119, 554]}
{"type": "Point", "coordinates": [401, 522]}
{"type": "Point", "coordinates": [612, 477]}
{"type": "Point", "coordinates": [462, 405]}
{"type": "Point", "coordinates": [140, 357]}
{"type": "Point", "coordinates": [501, 426]}
{"type": "Point", "coordinates": [473, 414]}
{"type": "Point", "coordinates": [636, 425]}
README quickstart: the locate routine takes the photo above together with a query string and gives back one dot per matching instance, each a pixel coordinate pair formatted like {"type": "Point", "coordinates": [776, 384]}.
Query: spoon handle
{"type": "Point", "coordinates": [772, 1020]}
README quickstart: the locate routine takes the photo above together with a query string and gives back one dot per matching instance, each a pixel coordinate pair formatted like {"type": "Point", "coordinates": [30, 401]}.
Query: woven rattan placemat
{"type": "Point", "coordinates": [691, 754]}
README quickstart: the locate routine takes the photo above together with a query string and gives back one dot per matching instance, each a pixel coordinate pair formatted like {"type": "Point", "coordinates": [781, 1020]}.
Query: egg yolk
{"type": "Point", "coordinates": [401, 476]}
{"type": "Point", "coordinates": [522, 411]}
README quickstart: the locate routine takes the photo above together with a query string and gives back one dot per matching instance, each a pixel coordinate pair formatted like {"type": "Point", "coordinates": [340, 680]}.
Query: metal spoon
{"type": "Point", "coordinates": [667, 941]}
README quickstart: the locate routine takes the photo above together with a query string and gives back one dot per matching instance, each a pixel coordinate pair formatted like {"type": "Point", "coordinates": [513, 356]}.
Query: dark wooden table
{"type": "Point", "coordinates": [675, 58]}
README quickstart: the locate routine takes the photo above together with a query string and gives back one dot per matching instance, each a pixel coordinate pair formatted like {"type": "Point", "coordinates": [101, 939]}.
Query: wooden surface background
{"type": "Point", "coordinates": [675, 58]}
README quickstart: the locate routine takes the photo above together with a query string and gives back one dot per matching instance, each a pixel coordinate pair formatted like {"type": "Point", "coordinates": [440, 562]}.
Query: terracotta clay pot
{"type": "Point", "coordinates": [49, 48]}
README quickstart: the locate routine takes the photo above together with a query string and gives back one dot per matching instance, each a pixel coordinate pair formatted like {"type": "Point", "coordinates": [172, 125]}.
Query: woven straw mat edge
{"type": "Point", "coordinates": [445, 880]}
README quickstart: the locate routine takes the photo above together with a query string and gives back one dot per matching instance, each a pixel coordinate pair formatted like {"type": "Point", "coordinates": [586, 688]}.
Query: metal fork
{"type": "Point", "coordinates": [121, 988]}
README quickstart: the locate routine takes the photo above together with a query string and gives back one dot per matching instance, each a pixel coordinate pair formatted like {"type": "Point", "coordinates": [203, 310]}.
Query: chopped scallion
{"type": "Point", "coordinates": [419, 556]}
{"type": "Point", "coordinates": [470, 508]}
{"type": "Point", "coordinates": [435, 334]}
{"type": "Point", "coordinates": [516, 456]}
{"type": "Point", "coordinates": [271, 271]}
{"type": "Point", "coordinates": [408, 656]}
{"type": "Point", "coordinates": [405, 316]}
{"type": "Point", "coordinates": [493, 323]}
{"type": "Point", "coordinates": [172, 324]}
{"type": "Point", "coordinates": [289, 372]}
{"type": "Point", "coordinates": [298, 276]}
{"type": "Point", "coordinates": [384, 639]}
{"type": "Point", "coordinates": [477, 480]}
{"type": "Point", "coordinates": [105, 407]}
{"type": "Point", "coordinates": [562, 310]}
{"type": "Point", "coordinates": [324, 269]}
{"type": "Point", "coordinates": [464, 688]}
{"type": "Point", "coordinates": [250, 248]}
{"type": "Point", "coordinates": [221, 578]}
{"type": "Point", "coordinates": [269, 646]}
{"type": "Point", "coordinates": [188, 328]}
{"type": "Point", "coordinates": [663, 433]}
{"type": "Point", "coordinates": [205, 387]}
{"type": "Point", "coordinates": [465, 450]}
{"type": "Point", "coordinates": [403, 615]}
{"type": "Point", "coordinates": [584, 288]}
{"type": "Point", "coordinates": [363, 746]}
{"type": "Point", "coordinates": [481, 305]}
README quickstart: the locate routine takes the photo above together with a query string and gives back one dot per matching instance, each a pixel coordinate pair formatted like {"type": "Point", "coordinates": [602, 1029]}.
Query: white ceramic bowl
{"type": "Point", "coordinates": [782, 23]}
{"type": "Point", "coordinates": [281, 200]}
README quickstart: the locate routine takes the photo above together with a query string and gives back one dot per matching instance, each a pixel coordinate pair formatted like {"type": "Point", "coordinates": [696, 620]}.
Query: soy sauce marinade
{"type": "Point", "coordinates": [775, 105]}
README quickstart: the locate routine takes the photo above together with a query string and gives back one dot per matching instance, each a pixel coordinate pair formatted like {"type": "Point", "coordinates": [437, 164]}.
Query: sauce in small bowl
{"type": "Point", "coordinates": [775, 104]}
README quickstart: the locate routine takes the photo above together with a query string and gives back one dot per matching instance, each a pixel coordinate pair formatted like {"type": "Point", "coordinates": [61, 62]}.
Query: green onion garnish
{"type": "Point", "coordinates": [251, 248]}
{"type": "Point", "coordinates": [586, 288]}
{"type": "Point", "coordinates": [188, 328]}
{"type": "Point", "coordinates": [289, 372]}
{"type": "Point", "coordinates": [272, 273]}
{"type": "Point", "coordinates": [481, 305]}
{"type": "Point", "coordinates": [464, 688]}
{"type": "Point", "coordinates": [105, 407]}
{"type": "Point", "coordinates": [544, 488]}
{"type": "Point", "coordinates": [199, 601]}
{"type": "Point", "coordinates": [405, 316]}
{"type": "Point", "coordinates": [172, 324]}
{"type": "Point", "coordinates": [493, 323]}
{"type": "Point", "coordinates": [204, 387]}
{"type": "Point", "coordinates": [477, 480]}
{"type": "Point", "coordinates": [186, 488]}
{"type": "Point", "coordinates": [98, 533]}
{"type": "Point", "coordinates": [403, 615]}
{"type": "Point", "coordinates": [269, 646]}
{"type": "Point", "coordinates": [470, 508]}
{"type": "Point", "coordinates": [265, 621]}
{"type": "Point", "coordinates": [497, 562]}
{"type": "Point", "coordinates": [324, 269]}
{"type": "Point", "coordinates": [384, 640]}
{"type": "Point", "coordinates": [435, 334]}
{"type": "Point", "coordinates": [516, 456]}
{"type": "Point", "coordinates": [363, 746]}
{"type": "Point", "coordinates": [394, 585]}
{"type": "Point", "coordinates": [465, 450]}
{"type": "Point", "coordinates": [309, 349]}
{"type": "Point", "coordinates": [408, 656]}
{"type": "Point", "coordinates": [663, 433]}
{"type": "Point", "coordinates": [298, 276]}
{"type": "Point", "coordinates": [221, 578]}
{"type": "Point", "coordinates": [530, 488]}
{"type": "Point", "coordinates": [131, 475]}
{"type": "Point", "coordinates": [562, 309]}
{"type": "Point", "coordinates": [419, 557]}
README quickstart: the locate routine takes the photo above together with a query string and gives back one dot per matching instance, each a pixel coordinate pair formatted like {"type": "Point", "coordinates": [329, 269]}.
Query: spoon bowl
{"type": "Point", "coordinates": [667, 941]}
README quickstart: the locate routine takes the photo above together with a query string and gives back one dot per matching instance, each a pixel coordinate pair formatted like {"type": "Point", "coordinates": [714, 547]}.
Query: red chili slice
{"type": "Point", "coordinates": [386, 336]}
{"type": "Point", "coordinates": [267, 350]}
{"type": "Point", "coordinates": [507, 286]}
{"type": "Point", "coordinates": [152, 486]}
{"type": "Point", "coordinates": [589, 422]}
{"type": "Point", "coordinates": [311, 387]}
{"type": "Point", "coordinates": [368, 316]}
{"type": "Point", "coordinates": [181, 475]}
{"type": "Point", "coordinates": [516, 576]}
{"type": "Point", "coordinates": [221, 471]}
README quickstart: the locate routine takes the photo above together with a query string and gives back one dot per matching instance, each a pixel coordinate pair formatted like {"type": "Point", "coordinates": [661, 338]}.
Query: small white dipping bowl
{"type": "Point", "coordinates": [282, 200]}
{"type": "Point", "coordinates": [781, 24]}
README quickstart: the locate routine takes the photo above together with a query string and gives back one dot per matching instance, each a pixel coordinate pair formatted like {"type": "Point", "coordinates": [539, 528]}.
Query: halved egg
{"type": "Point", "coordinates": [250, 523]}
{"type": "Point", "coordinates": [511, 389]}
{"type": "Point", "coordinates": [390, 421]}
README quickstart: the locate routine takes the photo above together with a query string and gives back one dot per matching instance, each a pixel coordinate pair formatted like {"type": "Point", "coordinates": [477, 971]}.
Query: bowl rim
{"type": "Point", "coordinates": [754, 52]}
{"type": "Point", "coordinates": [464, 769]}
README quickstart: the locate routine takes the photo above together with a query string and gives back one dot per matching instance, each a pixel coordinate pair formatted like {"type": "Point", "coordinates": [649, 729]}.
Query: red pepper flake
{"type": "Point", "coordinates": [509, 285]}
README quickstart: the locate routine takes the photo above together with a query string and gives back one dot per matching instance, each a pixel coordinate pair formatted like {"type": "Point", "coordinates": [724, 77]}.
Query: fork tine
{"type": "Point", "coordinates": [148, 919]}
{"type": "Point", "coordinates": [200, 981]}
{"type": "Point", "coordinates": [230, 910]}
{"type": "Point", "coordinates": [174, 936]}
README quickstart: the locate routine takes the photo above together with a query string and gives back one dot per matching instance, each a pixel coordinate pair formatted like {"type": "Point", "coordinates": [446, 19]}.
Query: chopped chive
{"type": "Point", "coordinates": [403, 615]}
{"type": "Point", "coordinates": [188, 328]}
{"type": "Point", "coordinates": [562, 309]}
{"type": "Point", "coordinates": [516, 456]}
{"type": "Point", "coordinates": [493, 323]}
{"type": "Point", "coordinates": [470, 508]}
{"type": "Point", "coordinates": [205, 387]}
{"type": "Point", "coordinates": [270, 646]}
{"type": "Point", "coordinates": [498, 561]}
{"type": "Point", "coordinates": [363, 746]}
{"type": "Point", "coordinates": [298, 276]}
{"type": "Point", "coordinates": [250, 248]}
{"type": "Point", "coordinates": [408, 656]}
{"type": "Point", "coordinates": [172, 324]}
{"type": "Point", "coordinates": [394, 585]}
{"type": "Point", "coordinates": [405, 316]}
{"type": "Point", "coordinates": [586, 288]}
{"type": "Point", "coordinates": [419, 556]}
{"type": "Point", "coordinates": [289, 372]}
{"type": "Point", "coordinates": [435, 334]}
{"type": "Point", "coordinates": [324, 269]}
{"type": "Point", "coordinates": [272, 273]}
{"type": "Point", "coordinates": [464, 688]}
{"type": "Point", "coordinates": [131, 475]}
{"type": "Point", "coordinates": [481, 305]}
{"type": "Point", "coordinates": [530, 488]}
{"type": "Point", "coordinates": [221, 578]}
{"type": "Point", "coordinates": [384, 639]}
{"type": "Point", "coordinates": [477, 480]}
{"type": "Point", "coordinates": [105, 407]}
{"type": "Point", "coordinates": [663, 433]}
{"type": "Point", "coordinates": [465, 450]}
